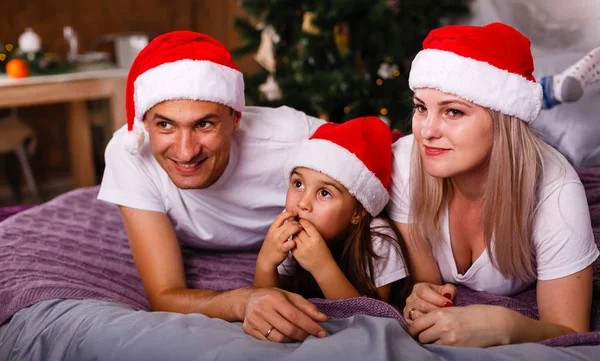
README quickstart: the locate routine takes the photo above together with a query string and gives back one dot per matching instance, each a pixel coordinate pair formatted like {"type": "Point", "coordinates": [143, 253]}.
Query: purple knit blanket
{"type": "Point", "coordinates": [76, 247]}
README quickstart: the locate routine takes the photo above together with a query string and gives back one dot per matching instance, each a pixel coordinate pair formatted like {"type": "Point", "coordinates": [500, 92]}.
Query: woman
{"type": "Point", "coordinates": [497, 209]}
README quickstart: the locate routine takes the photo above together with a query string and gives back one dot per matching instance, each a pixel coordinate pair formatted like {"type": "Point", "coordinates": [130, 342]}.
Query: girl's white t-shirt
{"type": "Point", "coordinates": [389, 267]}
{"type": "Point", "coordinates": [562, 232]}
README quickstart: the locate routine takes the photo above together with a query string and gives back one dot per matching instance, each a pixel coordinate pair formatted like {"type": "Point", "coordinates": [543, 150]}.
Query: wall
{"type": "Point", "coordinates": [92, 19]}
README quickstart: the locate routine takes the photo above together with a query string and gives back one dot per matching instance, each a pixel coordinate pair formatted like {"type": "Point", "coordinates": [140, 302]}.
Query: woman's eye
{"type": "Point", "coordinates": [419, 108]}
{"type": "Point", "coordinates": [454, 112]}
{"type": "Point", "coordinates": [297, 184]}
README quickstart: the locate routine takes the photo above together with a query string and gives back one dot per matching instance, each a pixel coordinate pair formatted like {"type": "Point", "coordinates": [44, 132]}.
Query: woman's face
{"type": "Point", "coordinates": [454, 136]}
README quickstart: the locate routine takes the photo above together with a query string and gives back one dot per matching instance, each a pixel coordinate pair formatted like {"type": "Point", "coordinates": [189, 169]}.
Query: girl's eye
{"type": "Point", "coordinates": [454, 112]}
{"type": "Point", "coordinates": [297, 184]}
{"type": "Point", "coordinates": [324, 193]}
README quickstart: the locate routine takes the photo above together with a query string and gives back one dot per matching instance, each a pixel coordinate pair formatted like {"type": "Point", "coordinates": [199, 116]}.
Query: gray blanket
{"type": "Point", "coordinates": [75, 247]}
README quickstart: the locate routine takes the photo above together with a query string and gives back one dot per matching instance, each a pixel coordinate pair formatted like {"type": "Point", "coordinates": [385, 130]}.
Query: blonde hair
{"type": "Point", "coordinates": [510, 197]}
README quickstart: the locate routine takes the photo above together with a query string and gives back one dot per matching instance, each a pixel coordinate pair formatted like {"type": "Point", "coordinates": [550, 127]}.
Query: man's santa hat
{"type": "Point", "coordinates": [491, 66]}
{"type": "Point", "coordinates": [175, 66]}
{"type": "Point", "coordinates": [357, 153]}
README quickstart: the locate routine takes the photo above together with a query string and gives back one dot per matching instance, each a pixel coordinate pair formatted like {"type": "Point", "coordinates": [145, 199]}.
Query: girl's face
{"type": "Point", "coordinates": [454, 135]}
{"type": "Point", "coordinates": [322, 201]}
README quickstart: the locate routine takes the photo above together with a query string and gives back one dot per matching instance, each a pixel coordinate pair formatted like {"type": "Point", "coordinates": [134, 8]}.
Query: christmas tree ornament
{"type": "Point", "coordinates": [307, 24]}
{"type": "Point", "coordinates": [387, 71]}
{"type": "Point", "coordinates": [395, 6]}
{"type": "Point", "coordinates": [569, 85]}
{"type": "Point", "coordinates": [265, 55]}
{"type": "Point", "coordinates": [17, 68]}
{"type": "Point", "coordinates": [341, 37]}
{"type": "Point", "coordinates": [30, 42]}
{"type": "Point", "coordinates": [270, 89]}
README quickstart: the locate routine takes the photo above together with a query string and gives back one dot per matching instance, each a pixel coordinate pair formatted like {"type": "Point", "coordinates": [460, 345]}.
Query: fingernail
{"type": "Point", "coordinates": [321, 334]}
{"type": "Point", "coordinates": [447, 295]}
{"type": "Point", "coordinates": [448, 304]}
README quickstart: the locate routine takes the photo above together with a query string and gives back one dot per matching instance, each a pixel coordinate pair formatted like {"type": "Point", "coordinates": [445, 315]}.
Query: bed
{"type": "Point", "coordinates": [69, 290]}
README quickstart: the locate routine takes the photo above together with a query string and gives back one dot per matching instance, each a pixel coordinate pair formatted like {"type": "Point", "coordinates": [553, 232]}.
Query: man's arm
{"type": "Point", "coordinates": [158, 258]}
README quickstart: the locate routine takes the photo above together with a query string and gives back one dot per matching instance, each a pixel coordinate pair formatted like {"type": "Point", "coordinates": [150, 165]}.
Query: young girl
{"type": "Point", "coordinates": [341, 246]}
{"type": "Point", "coordinates": [482, 201]}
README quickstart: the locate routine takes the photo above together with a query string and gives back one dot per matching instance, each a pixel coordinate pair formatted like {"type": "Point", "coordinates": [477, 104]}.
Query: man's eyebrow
{"type": "Point", "coordinates": [167, 119]}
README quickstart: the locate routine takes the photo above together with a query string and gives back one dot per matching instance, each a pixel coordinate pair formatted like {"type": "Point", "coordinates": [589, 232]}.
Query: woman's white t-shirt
{"type": "Point", "coordinates": [562, 231]}
{"type": "Point", "coordinates": [389, 267]}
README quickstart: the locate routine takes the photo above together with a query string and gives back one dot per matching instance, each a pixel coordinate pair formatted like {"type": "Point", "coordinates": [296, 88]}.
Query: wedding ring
{"type": "Point", "coordinates": [269, 332]}
{"type": "Point", "coordinates": [410, 313]}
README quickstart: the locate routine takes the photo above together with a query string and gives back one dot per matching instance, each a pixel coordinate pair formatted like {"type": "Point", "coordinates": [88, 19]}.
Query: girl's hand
{"type": "Point", "coordinates": [427, 297]}
{"type": "Point", "coordinates": [276, 245]}
{"type": "Point", "coordinates": [470, 326]}
{"type": "Point", "coordinates": [311, 252]}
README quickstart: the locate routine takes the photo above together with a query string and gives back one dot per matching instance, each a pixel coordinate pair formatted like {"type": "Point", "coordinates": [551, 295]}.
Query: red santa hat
{"type": "Point", "coordinates": [488, 65]}
{"type": "Point", "coordinates": [175, 66]}
{"type": "Point", "coordinates": [357, 153]}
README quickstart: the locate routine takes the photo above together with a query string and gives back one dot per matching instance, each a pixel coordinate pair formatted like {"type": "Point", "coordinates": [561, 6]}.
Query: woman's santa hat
{"type": "Point", "coordinates": [175, 66]}
{"type": "Point", "coordinates": [357, 153]}
{"type": "Point", "coordinates": [491, 66]}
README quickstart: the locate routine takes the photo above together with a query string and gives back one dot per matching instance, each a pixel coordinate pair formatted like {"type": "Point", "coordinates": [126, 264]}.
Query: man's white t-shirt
{"type": "Point", "coordinates": [389, 267]}
{"type": "Point", "coordinates": [562, 231]}
{"type": "Point", "coordinates": [236, 211]}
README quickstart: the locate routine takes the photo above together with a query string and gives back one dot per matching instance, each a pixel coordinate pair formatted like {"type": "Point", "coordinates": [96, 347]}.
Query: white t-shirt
{"type": "Point", "coordinates": [562, 231]}
{"type": "Point", "coordinates": [388, 268]}
{"type": "Point", "coordinates": [237, 210]}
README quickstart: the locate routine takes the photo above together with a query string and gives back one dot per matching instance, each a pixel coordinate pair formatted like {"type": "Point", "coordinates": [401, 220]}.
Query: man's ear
{"type": "Point", "coordinates": [236, 117]}
{"type": "Point", "coordinates": [357, 216]}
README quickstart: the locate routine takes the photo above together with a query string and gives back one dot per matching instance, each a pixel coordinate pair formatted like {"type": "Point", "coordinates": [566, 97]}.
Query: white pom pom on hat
{"type": "Point", "coordinates": [175, 66]}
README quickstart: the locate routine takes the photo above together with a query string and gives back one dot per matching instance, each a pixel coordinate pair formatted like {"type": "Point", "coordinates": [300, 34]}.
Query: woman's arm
{"type": "Point", "coordinates": [422, 265]}
{"type": "Point", "coordinates": [563, 305]}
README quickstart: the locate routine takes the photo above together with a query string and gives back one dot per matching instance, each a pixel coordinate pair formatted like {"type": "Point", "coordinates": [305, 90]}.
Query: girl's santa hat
{"type": "Point", "coordinates": [491, 66]}
{"type": "Point", "coordinates": [357, 153]}
{"type": "Point", "coordinates": [175, 66]}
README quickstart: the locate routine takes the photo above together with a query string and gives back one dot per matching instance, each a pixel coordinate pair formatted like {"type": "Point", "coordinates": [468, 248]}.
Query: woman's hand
{"type": "Point", "coordinates": [470, 326]}
{"type": "Point", "coordinates": [311, 252]}
{"type": "Point", "coordinates": [427, 297]}
{"type": "Point", "coordinates": [277, 244]}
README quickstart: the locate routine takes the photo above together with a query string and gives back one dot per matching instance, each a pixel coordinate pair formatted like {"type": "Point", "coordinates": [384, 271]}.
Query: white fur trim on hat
{"type": "Point", "coordinates": [189, 79]}
{"type": "Point", "coordinates": [343, 166]}
{"type": "Point", "coordinates": [133, 140]}
{"type": "Point", "coordinates": [478, 82]}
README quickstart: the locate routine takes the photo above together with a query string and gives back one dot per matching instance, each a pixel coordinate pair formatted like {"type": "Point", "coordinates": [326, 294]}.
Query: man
{"type": "Point", "coordinates": [204, 170]}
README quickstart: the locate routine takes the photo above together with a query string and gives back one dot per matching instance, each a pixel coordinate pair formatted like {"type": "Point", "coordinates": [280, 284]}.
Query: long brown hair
{"type": "Point", "coordinates": [511, 194]}
{"type": "Point", "coordinates": [354, 255]}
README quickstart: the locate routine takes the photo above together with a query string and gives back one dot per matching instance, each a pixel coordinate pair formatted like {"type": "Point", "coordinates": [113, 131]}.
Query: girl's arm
{"type": "Point", "coordinates": [274, 249]}
{"type": "Point", "coordinates": [333, 283]}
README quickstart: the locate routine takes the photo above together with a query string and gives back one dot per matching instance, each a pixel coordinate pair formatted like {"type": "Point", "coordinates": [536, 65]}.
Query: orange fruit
{"type": "Point", "coordinates": [17, 68]}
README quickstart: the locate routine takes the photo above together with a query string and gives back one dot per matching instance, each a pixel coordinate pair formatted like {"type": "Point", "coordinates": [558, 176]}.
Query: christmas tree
{"type": "Point", "coordinates": [339, 59]}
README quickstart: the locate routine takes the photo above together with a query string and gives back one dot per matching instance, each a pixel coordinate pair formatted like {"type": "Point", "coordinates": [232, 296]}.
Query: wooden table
{"type": "Point", "coordinates": [75, 89]}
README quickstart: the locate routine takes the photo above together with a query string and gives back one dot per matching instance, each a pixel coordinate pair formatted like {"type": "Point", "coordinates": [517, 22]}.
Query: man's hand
{"type": "Point", "coordinates": [276, 245]}
{"type": "Point", "coordinates": [276, 315]}
{"type": "Point", "coordinates": [311, 252]}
